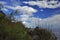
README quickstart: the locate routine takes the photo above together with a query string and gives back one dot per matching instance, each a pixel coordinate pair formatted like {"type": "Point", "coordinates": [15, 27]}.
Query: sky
{"type": "Point", "coordinates": [32, 12]}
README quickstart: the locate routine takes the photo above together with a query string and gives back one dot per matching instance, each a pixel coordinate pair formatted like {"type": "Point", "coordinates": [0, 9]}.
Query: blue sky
{"type": "Point", "coordinates": [29, 11]}
{"type": "Point", "coordinates": [47, 12]}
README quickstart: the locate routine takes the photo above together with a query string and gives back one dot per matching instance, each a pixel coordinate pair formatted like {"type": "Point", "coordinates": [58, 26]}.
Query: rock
{"type": "Point", "coordinates": [41, 34]}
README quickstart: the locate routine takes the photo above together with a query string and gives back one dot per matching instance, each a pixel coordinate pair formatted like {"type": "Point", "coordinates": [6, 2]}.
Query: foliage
{"type": "Point", "coordinates": [12, 31]}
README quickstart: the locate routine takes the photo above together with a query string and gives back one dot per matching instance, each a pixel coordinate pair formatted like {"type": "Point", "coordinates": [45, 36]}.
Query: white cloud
{"type": "Point", "coordinates": [3, 2]}
{"type": "Point", "coordinates": [32, 22]}
{"type": "Point", "coordinates": [4, 9]}
{"type": "Point", "coordinates": [54, 20]}
{"type": "Point", "coordinates": [10, 7]}
{"type": "Point", "coordinates": [44, 4]}
{"type": "Point", "coordinates": [50, 22]}
{"type": "Point", "coordinates": [26, 10]}
{"type": "Point", "coordinates": [23, 9]}
{"type": "Point", "coordinates": [24, 17]}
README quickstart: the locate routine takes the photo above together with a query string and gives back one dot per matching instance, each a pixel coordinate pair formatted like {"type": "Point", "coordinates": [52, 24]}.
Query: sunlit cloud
{"type": "Point", "coordinates": [32, 22]}
{"type": "Point", "coordinates": [50, 22]}
{"type": "Point", "coordinates": [23, 9]}
{"type": "Point", "coordinates": [44, 4]}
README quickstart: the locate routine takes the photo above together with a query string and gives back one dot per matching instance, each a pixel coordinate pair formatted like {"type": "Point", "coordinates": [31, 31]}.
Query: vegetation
{"type": "Point", "coordinates": [12, 31]}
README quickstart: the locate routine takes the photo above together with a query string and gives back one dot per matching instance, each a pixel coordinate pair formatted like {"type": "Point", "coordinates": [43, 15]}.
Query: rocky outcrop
{"type": "Point", "coordinates": [41, 34]}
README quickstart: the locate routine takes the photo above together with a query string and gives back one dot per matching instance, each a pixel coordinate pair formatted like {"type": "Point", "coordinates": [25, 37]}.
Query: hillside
{"type": "Point", "coordinates": [10, 30]}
